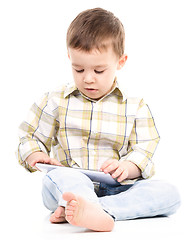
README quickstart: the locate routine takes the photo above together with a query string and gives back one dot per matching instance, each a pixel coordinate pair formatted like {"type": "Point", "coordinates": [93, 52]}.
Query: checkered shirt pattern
{"type": "Point", "coordinates": [84, 133]}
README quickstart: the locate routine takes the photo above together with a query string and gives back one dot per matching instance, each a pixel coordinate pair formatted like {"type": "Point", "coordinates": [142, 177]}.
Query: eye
{"type": "Point", "coordinates": [79, 71]}
{"type": "Point", "coordinates": [98, 72]}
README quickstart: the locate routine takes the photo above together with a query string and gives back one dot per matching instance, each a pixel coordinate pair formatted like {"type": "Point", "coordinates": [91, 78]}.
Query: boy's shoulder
{"type": "Point", "coordinates": [122, 91]}
{"type": "Point", "coordinates": [52, 98]}
{"type": "Point", "coordinates": [61, 91]}
{"type": "Point", "coordinates": [133, 104]}
{"type": "Point", "coordinates": [58, 90]}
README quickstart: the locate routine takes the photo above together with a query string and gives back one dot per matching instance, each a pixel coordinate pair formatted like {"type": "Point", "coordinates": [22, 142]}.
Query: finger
{"type": "Point", "coordinates": [45, 160]}
{"type": "Point", "coordinates": [117, 172]}
{"type": "Point", "coordinates": [33, 163]}
{"type": "Point", "coordinates": [123, 176]}
{"type": "Point", "coordinates": [53, 161]}
{"type": "Point", "coordinates": [106, 164]}
{"type": "Point", "coordinates": [112, 167]}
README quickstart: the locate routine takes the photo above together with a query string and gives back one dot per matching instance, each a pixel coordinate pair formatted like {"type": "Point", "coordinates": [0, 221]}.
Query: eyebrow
{"type": "Point", "coordinates": [97, 66]}
{"type": "Point", "coordinates": [75, 65]}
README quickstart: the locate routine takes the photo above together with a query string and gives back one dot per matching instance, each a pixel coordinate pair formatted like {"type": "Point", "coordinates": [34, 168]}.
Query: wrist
{"type": "Point", "coordinates": [33, 157]}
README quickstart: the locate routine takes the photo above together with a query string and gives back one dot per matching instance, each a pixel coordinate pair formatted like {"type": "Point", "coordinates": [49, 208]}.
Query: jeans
{"type": "Point", "coordinates": [144, 198]}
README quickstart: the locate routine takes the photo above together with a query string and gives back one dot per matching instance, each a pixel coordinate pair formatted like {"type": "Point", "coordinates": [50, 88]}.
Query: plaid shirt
{"type": "Point", "coordinates": [85, 133]}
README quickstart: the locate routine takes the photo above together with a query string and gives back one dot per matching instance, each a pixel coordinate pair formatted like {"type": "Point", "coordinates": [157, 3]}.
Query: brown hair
{"type": "Point", "coordinates": [96, 28]}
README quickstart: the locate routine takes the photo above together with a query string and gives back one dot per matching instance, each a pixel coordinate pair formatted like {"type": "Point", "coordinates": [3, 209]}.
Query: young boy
{"type": "Point", "coordinates": [93, 125]}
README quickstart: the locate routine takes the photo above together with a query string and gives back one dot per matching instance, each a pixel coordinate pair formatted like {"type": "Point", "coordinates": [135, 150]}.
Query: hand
{"type": "Point", "coordinates": [121, 170]}
{"type": "Point", "coordinates": [41, 157]}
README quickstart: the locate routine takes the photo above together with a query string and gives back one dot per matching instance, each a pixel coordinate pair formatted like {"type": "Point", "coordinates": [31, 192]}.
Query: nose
{"type": "Point", "coordinates": [89, 78]}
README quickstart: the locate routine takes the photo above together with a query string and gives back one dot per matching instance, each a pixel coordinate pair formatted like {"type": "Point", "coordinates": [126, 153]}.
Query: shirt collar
{"type": "Point", "coordinates": [71, 88]}
{"type": "Point", "coordinates": [118, 88]}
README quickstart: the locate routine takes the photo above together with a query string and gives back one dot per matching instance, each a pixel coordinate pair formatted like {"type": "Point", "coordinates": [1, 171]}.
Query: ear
{"type": "Point", "coordinates": [68, 55]}
{"type": "Point", "coordinates": [122, 61]}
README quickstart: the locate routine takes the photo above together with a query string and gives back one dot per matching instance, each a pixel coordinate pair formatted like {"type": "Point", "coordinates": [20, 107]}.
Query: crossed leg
{"type": "Point", "coordinates": [83, 213]}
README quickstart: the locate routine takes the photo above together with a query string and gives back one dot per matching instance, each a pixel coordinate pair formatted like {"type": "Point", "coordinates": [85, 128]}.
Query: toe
{"type": "Point", "coordinates": [68, 196]}
{"type": "Point", "coordinates": [69, 208]}
{"type": "Point", "coordinates": [69, 213]}
{"type": "Point", "coordinates": [71, 204]}
{"type": "Point", "coordinates": [69, 218]}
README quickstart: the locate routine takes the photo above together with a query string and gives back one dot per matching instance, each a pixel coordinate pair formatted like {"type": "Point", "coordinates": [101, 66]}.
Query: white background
{"type": "Point", "coordinates": [33, 60]}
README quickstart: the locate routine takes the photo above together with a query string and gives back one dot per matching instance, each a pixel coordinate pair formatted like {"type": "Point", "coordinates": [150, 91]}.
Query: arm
{"type": "Point", "coordinates": [143, 140]}
{"type": "Point", "coordinates": [36, 134]}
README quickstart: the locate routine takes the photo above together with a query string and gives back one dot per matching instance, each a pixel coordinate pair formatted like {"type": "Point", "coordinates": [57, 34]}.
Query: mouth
{"type": "Point", "coordinates": [93, 90]}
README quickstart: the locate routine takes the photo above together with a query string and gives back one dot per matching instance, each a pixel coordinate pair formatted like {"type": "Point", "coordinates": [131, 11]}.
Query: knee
{"type": "Point", "coordinates": [170, 190]}
{"type": "Point", "coordinates": [161, 192]}
{"type": "Point", "coordinates": [169, 196]}
{"type": "Point", "coordinates": [173, 197]}
{"type": "Point", "coordinates": [69, 176]}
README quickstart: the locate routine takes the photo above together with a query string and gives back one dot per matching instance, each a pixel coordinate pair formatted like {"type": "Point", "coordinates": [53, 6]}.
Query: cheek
{"type": "Point", "coordinates": [106, 84]}
{"type": "Point", "coordinates": [76, 77]}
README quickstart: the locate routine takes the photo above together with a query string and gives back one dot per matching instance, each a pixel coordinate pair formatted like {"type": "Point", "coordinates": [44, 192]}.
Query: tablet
{"type": "Point", "coordinates": [95, 176]}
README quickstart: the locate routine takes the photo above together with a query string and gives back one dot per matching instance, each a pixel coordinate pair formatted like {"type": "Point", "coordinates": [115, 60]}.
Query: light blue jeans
{"type": "Point", "coordinates": [144, 198]}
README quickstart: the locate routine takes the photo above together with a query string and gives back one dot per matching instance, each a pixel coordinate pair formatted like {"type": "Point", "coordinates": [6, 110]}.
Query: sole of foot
{"type": "Point", "coordinates": [83, 213]}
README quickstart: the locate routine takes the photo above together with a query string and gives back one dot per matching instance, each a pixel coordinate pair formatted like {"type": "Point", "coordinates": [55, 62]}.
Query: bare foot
{"type": "Point", "coordinates": [58, 216]}
{"type": "Point", "coordinates": [82, 213]}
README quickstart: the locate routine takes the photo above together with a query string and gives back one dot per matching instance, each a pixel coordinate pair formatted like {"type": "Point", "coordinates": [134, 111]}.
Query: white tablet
{"type": "Point", "coordinates": [95, 176]}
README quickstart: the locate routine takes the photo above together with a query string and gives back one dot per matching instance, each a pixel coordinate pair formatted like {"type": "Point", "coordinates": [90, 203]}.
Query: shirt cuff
{"type": "Point", "coordinates": [26, 149]}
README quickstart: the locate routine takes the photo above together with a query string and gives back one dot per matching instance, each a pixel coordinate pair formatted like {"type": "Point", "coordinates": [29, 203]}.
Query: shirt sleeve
{"type": "Point", "coordinates": [37, 131]}
{"type": "Point", "coordinates": [143, 141]}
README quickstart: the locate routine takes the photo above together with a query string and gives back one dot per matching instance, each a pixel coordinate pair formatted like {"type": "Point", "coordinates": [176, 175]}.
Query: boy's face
{"type": "Point", "coordinates": [94, 72]}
